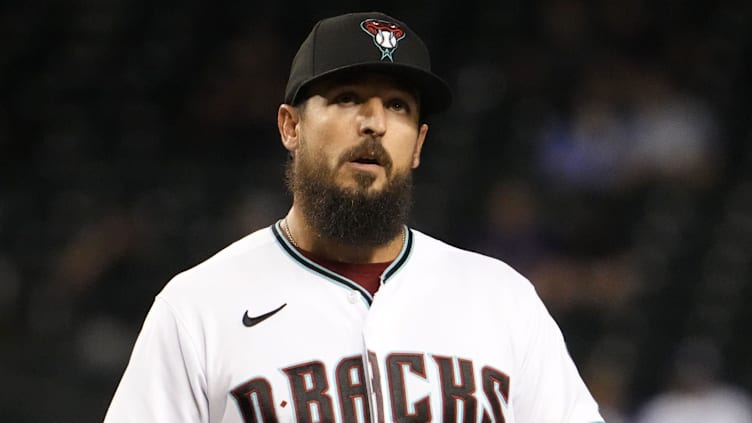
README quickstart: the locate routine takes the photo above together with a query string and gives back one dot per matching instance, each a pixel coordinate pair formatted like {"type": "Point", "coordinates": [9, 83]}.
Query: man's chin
{"type": "Point", "coordinates": [359, 209]}
{"type": "Point", "coordinates": [363, 183]}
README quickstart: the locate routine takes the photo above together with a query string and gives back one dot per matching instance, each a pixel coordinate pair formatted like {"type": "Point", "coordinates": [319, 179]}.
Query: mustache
{"type": "Point", "coordinates": [369, 148]}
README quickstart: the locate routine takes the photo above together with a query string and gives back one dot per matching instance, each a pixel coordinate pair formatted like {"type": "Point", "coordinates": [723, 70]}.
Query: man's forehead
{"type": "Point", "coordinates": [384, 80]}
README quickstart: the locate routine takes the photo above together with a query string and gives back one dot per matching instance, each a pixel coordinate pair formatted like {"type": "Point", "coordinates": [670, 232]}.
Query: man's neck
{"type": "Point", "coordinates": [304, 237]}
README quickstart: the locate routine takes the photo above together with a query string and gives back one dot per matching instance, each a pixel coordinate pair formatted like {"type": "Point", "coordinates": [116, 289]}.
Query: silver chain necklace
{"type": "Point", "coordinates": [286, 228]}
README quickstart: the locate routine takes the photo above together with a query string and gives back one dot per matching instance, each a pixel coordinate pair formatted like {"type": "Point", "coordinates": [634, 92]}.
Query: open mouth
{"type": "Point", "coordinates": [367, 160]}
{"type": "Point", "coordinates": [368, 156]}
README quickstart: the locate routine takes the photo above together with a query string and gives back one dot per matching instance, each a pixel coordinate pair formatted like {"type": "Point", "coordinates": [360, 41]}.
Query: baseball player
{"type": "Point", "coordinates": [339, 312]}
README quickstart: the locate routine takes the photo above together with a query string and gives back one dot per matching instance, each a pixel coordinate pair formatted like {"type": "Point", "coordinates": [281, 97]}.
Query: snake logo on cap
{"type": "Point", "coordinates": [385, 35]}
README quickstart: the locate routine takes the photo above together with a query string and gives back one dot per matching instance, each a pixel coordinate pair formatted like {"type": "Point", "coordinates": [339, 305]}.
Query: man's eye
{"type": "Point", "coordinates": [398, 105]}
{"type": "Point", "coordinates": [345, 98]}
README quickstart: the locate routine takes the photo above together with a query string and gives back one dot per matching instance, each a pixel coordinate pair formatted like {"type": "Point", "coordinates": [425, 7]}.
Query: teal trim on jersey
{"type": "Point", "coordinates": [334, 277]}
{"type": "Point", "coordinates": [402, 257]}
{"type": "Point", "coordinates": [316, 268]}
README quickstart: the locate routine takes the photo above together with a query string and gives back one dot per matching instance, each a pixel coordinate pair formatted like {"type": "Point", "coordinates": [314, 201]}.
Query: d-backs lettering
{"type": "Point", "coordinates": [311, 399]}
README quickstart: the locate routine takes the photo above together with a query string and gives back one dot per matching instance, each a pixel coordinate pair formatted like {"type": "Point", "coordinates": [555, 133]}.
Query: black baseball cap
{"type": "Point", "coordinates": [370, 41]}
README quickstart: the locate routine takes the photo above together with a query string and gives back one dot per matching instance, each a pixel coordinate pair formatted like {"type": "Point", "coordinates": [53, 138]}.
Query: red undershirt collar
{"type": "Point", "coordinates": [367, 275]}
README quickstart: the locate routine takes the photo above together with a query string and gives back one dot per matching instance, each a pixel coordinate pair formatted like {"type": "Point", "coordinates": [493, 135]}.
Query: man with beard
{"type": "Point", "coordinates": [339, 312]}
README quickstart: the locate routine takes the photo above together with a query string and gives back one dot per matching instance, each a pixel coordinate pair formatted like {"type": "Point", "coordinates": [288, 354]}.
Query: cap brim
{"type": "Point", "coordinates": [435, 94]}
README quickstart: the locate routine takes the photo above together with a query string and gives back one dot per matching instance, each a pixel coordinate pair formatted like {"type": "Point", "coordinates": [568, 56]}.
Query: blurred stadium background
{"type": "Point", "coordinates": [601, 147]}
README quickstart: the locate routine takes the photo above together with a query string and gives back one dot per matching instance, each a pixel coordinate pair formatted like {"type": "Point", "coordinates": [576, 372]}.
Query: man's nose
{"type": "Point", "coordinates": [373, 117]}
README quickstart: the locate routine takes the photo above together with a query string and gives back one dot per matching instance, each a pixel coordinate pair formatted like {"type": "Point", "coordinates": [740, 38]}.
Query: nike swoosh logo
{"type": "Point", "coordinates": [249, 321]}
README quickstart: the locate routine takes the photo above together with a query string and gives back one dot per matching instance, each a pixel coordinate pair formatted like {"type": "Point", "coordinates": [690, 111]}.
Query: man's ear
{"type": "Point", "coordinates": [288, 120]}
{"type": "Point", "coordinates": [419, 144]}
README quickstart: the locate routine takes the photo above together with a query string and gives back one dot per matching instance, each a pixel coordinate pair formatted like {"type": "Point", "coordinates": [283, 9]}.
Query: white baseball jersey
{"type": "Point", "coordinates": [259, 333]}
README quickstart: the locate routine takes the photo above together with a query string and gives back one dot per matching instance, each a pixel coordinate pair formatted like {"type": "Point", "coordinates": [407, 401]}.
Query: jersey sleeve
{"type": "Point", "coordinates": [549, 386]}
{"type": "Point", "coordinates": [164, 380]}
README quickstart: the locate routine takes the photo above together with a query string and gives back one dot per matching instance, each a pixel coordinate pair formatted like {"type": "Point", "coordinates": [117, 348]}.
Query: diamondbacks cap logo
{"type": "Point", "coordinates": [385, 35]}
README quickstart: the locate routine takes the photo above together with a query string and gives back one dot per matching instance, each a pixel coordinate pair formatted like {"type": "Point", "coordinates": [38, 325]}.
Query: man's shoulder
{"type": "Point", "coordinates": [250, 255]}
{"type": "Point", "coordinates": [436, 263]}
{"type": "Point", "coordinates": [449, 258]}
{"type": "Point", "coordinates": [434, 247]}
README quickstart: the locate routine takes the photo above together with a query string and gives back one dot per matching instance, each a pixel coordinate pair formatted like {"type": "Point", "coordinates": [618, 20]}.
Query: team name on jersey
{"type": "Point", "coordinates": [311, 396]}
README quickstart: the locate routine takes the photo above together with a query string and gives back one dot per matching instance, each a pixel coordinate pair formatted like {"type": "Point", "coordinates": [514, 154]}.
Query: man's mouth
{"type": "Point", "coordinates": [367, 160]}
{"type": "Point", "coordinates": [369, 156]}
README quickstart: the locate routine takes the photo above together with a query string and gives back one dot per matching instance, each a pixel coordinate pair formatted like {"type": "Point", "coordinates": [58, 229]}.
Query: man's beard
{"type": "Point", "coordinates": [352, 216]}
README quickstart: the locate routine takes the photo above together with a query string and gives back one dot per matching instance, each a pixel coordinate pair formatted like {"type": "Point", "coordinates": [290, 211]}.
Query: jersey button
{"type": "Point", "coordinates": [352, 297]}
